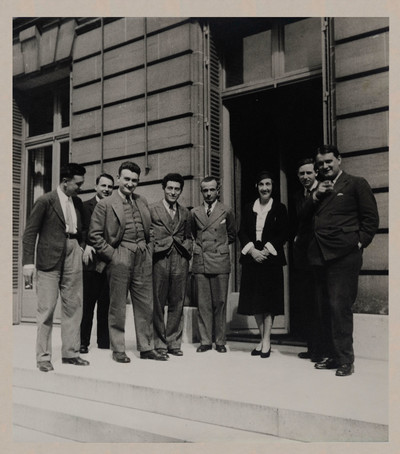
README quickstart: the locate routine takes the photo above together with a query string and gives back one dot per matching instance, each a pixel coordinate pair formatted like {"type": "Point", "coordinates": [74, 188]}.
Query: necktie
{"type": "Point", "coordinates": [209, 209]}
{"type": "Point", "coordinates": [171, 210]}
{"type": "Point", "coordinates": [69, 221]}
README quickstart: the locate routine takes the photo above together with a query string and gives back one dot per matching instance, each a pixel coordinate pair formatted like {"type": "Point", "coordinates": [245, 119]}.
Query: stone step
{"type": "Point", "coordinates": [88, 421]}
{"type": "Point", "coordinates": [197, 405]}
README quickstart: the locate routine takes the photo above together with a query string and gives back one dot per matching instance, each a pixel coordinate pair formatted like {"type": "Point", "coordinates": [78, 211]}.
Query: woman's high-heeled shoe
{"type": "Point", "coordinates": [256, 352]}
{"type": "Point", "coordinates": [265, 355]}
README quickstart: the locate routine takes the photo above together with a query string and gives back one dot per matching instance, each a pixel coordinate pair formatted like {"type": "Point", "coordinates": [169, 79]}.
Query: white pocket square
{"type": "Point", "coordinates": [223, 221]}
{"type": "Point", "coordinates": [340, 193]}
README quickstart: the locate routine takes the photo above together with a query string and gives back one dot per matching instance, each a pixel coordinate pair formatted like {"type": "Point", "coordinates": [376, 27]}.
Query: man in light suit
{"type": "Point", "coordinates": [56, 221]}
{"type": "Point", "coordinates": [345, 222]}
{"type": "Point", "coordinates": [95, 285]}
{"type": "Point", "coordinates": [120, 233]}
{"type": "Point", "coordinates": [214, 229]}
{"type": "Point", "coordinates": [172, 252]}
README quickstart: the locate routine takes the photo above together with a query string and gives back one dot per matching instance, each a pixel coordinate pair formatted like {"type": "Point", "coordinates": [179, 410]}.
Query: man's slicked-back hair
{"type": "Point", "coordinates": [129, 165]}
{"type": "Point", "coordinates": [305, 161]}
{"type": "Point", "coordinates": [105, 175]}
{"type": "Point", "coordinates": [176, 177]}
{"type": "Point", "coordinates": [69, 170]}
{"type": "Point", "coordinates": [208, 179]}
{"type": "Point", "coordinates": [325, 149]}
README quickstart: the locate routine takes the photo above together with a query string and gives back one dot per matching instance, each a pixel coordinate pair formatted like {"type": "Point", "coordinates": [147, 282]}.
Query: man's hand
{"type": "Point", "coordinates": [324, 188]}
{"type": "Point", "coordinates": [27, 271]}
{"type": "Point", "coordinates": [88, 254]}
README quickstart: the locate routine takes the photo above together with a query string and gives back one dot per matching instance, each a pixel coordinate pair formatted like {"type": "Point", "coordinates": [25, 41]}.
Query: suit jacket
{"type": "Point", "coordinates": [304, 230]}
{"type": "Point", "coordinates": [107, 226]}
{"type": "Point", "coordinates": [88, 208]}
{"type": "Point", "coordinates": [275, 231]}
{"type": "Point", "coordinates": [47, 221]}
{"type": "Point", "coordinates": [345, 217]}
{"type": "Point", "coordinates": [212, 237]}
{"type": "Point", "coordinates": [166, 236]}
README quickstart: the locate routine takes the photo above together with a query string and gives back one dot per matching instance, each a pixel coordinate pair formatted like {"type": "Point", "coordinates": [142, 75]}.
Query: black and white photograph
{"type": "Point", "coordinates": [199, 231]}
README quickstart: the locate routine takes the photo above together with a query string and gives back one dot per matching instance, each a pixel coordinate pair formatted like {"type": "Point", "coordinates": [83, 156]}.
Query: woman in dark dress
{"type": "Point", "coordinates": [263, 232]}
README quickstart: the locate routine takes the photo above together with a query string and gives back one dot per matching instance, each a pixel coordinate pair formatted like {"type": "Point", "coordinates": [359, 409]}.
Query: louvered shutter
{"type": "Point", "coordinates": [16, 208]}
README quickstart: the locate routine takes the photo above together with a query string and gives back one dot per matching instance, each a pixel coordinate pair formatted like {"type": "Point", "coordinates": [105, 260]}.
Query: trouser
{"type": "Point", "coordinates": [336, 289]}
{"type": "Point", "coordinates": [95, 290]}
{"type": "Point", "coordinates": [308, 309]}
{"type": "Point", "coordinates": [169, 283]}
{"type": "Point", "coordinates": [66, 278]}
{"type": "Point", "coordinates": [130, 271]}
{"type": "Point", "coordinates": [212, 291]}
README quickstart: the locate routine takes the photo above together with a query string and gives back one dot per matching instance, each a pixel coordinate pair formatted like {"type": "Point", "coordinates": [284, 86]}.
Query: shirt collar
{"type": "Point", "coordinates": [258, 208]}
{"type": "Point", "coordinates": [167, 205]}
{"type": "Point", "coordinates": [212, 205]}
{"type": "Point", "coordinates": [337, 176]}
{"type": "Point", "coordinates": [123, 196]}
{"type": "Point", "coordinates": [62, 196]}
{"type": "Point", "coordinates": [314, 185]}
{"type": "Point", "coordinates": [97, 198]}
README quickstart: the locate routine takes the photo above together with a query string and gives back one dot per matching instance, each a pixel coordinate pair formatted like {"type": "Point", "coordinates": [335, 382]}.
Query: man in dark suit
{"type": "Point", "coordinates": [56, 222]}
{"type": "Point", "coordinates": [214, 229]}
{"type": "Point", "coordinates": [303, 276]}
{"type": "Point", "coordinates": [95, 285]}
{"type": "Point", "coordinates": [172, 252]}
{"type": "Point", "coordinates": [345, 222]}
{"type": "Point", "coordinates": [120, 232]}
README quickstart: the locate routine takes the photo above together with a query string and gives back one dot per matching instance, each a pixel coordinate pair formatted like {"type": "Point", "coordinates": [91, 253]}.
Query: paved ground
{"type": "Point", "coordinates": [283, 380]}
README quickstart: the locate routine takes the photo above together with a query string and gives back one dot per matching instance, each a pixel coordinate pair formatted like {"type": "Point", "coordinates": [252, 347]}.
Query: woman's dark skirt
{"type": "Point", "coordinates": [261, 289]}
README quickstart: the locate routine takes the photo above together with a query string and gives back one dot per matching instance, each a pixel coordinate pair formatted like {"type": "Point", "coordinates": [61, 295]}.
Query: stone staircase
{"type": "Point", "coordinates": [200, 397]}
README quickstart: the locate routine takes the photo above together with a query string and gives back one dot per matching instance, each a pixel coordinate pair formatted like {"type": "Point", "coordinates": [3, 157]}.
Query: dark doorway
{"type": "Point", "coordinates": [272, 130]}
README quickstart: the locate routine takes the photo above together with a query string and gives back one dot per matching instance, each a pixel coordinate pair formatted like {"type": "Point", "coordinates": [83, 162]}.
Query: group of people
{"type": "Point", "coordinates": [115, 244]}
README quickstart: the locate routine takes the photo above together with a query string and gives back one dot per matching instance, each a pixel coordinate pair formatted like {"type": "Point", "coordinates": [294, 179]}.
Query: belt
{"type": "Point", "coordinates": [71, 236]}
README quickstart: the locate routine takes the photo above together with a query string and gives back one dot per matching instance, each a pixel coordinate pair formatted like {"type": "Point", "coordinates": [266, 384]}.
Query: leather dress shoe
{"type": "Point", "coordinates": [255, 352]}
{"type": "Point", "coordinates": [203, 348]}
{"type": "Point", "coordinates": [304, 355]}
{"type": "Point", "coordinates": [163, 352]}
{"type": "Point", "coordinates": [220, 348]}
{"type": "Point", "coordinates": [76, 361]}
{"type": "Point", "coordinates": [175, 351]}
{"type": "Point", "coordinates": [83, 349]}
{"type": "Point", "coordinates": [327, 363]}
{"type": "Point", "coordinates": [316, 358]}
{"type": "Point", "coordinates": [121, 357]}
{"type": "Point", "coordinates": [45, 366]}
{"type": "Point", "coordinates": [152, 354]}
{"type": "Point", "coordinates": [344, 370]}
{"type": "Point", "coordinates": [266, 354]}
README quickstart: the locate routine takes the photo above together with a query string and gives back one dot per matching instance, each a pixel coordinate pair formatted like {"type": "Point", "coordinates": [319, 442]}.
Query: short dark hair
{"type": "Point", "coordinates": [208, 179]}
{"type": "Point", "coordinates": [71, 169]}
{"type": "Point", "coordinates": [265, 174]}
{"type": "Point", "coordinates": [176, 177]}
{"type": "Point", "coordinates": [132, 166]}
{"type": "Point", "coordinates": [325, 149]}
{"type": "Point", "coordinates": [104, 175]}
{"type": "Point", "coordinates": [304, 161]}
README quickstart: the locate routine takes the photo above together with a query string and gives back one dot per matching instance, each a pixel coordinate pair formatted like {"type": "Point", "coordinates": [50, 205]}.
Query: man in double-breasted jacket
{"type": "Point", "coordinates": [344, 223]}
{"type": "Point", "coordinates": [171, 254]}
{"type": "Point", "coordinates": [56, 223]}
{"type": "Point", "coordinates": [214, 229]}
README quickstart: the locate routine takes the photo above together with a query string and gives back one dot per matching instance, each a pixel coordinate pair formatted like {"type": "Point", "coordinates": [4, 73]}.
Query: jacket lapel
{"type": "Point", "coordinates": [118, 208]}
{"type": "Point", "coordinates": [144, 214]}
{"type": "Point", "coordinates": [56, 204]}
{"type": "Point", "coordinates": [340, 183]}
{"type": "Point", "coordinates": [215, 215]}
{"type": "Point", "coordinates": [164, 216]}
